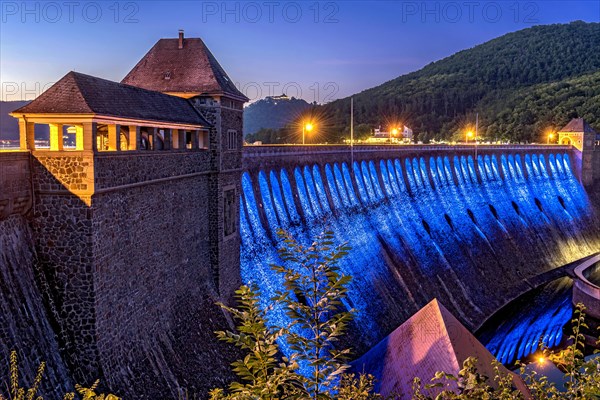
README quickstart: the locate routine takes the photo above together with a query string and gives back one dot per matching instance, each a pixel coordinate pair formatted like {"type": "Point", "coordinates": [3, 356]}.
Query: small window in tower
{"type": "Point", "coordinates": [168, 75]}
{"type": "Point", "coordinates": [232, 142]}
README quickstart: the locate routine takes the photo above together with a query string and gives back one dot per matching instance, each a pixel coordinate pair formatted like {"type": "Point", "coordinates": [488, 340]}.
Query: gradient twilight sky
{"type": "Point", "coordinates": [319, 51]}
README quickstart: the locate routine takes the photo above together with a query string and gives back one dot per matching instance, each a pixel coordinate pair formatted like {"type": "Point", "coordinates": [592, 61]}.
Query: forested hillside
{"type": "Point", "coordinates": [272, 113]}
{"type": "Point", "coordinates": [535, 109]}
{"type": "Point", "coordinates": [521, 84]}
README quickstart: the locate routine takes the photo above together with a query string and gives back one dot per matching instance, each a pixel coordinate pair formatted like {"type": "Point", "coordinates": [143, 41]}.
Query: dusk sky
{"type": "Point", "coordinates": [319, 51]}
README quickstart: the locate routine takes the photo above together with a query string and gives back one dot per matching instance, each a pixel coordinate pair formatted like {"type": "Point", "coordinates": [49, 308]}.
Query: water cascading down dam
{"type": "Point", "coordinates": [469, 226]}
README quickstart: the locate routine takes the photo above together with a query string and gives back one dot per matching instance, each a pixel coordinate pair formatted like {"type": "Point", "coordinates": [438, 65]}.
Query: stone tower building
{"type": "Point", "coordinates": [582, 137]}
{"type": "Point", "coordinates": [136, 225]}
{"type": "Point", "coordinates": [186, 68]}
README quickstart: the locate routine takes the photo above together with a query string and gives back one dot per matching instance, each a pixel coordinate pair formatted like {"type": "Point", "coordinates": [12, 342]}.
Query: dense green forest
{"type": "Point", "coordinates": [528, 113]}
{"type": "Point", "coordinates": [521, 84]}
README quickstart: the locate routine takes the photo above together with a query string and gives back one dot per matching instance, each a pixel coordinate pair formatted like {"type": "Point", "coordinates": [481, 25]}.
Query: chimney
{"type": "Point", "coordinates": [181, 38]}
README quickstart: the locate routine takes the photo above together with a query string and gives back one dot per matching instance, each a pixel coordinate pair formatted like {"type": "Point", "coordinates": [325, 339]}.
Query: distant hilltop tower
{"type": "Point", "coordinates": [137, 224]}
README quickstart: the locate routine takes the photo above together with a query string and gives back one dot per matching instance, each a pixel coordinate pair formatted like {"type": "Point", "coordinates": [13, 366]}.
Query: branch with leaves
{"type": "Point", "coordinates": [16, 392]}
{"type": "Point", "coordinates": [263, 375]}
{"type": "Point", "coordinates": [312, 297]}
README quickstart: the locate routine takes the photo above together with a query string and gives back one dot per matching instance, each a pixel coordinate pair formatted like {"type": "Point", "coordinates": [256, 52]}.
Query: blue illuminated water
{"type": "Point", "coordinates": [467, 230]}
{"type": "Point", "coordinates": [542, 314]}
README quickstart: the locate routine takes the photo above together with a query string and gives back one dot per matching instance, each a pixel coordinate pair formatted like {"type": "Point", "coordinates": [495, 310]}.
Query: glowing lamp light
{"type": "Point", "coordinates": [469, 136]}
{"type": "Point", "coordinates": [306, 128]}
{"type": "Point", "coordinates": [394, 131]}
{"type": "Point", "coordinates": [541, 360]}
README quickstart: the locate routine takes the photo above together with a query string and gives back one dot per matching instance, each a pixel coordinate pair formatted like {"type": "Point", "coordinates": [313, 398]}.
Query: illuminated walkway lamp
{"type": "Point", "coordinates": [469, 136]}
{"type": "Point", "coordinates": [393, 132]}
{"type": "Point", "coordinates": [306, 128]}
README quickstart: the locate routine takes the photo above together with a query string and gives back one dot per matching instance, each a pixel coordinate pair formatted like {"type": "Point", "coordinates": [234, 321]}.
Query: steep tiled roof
{"type": "Point", "coordinates": [190, 69]}
{"type": "Point", "coordinates": [78, 93]}
{"type": "Point", "coordinates": [577, 125]}
{"type": "Point", "coordinates": [431, 340]}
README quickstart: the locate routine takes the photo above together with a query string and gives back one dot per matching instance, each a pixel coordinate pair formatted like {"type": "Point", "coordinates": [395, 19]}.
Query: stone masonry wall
{"type": "Point", "coordinates": [62, 226]}
{"type": "Point", "coordinates": [15, 184]}
{"type": "Point", "coordinates": [229, 180]}
{"type": "Point", "coordinates": [226, 164]}
{"type": "Point", "coordinates": [114, 169]}
{"type": "Point", "coordinates": [127, 250]}
{"type": "Point", "coordinates": [256, 158]}
{"type": "Point", "coordinates": [155, 304]}
{"type": "Point", "coordinates": [71, 172]}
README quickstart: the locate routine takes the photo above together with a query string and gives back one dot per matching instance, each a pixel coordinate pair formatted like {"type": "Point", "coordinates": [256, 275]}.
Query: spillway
{"type": "Point", "coordinates": [468, 230]}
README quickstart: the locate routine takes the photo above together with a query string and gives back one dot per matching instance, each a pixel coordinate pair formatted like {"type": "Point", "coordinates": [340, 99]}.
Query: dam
{"type": "Point", "coordinates": [471, 229]}
{"type": "Point", "coordinates": [115, 251]}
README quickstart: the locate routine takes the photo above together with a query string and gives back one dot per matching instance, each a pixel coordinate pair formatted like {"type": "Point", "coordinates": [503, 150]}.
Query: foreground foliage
{"type": "Point", "coordinates": [312, 296]}
{"type": "Point", "coordinates": [19, 393]}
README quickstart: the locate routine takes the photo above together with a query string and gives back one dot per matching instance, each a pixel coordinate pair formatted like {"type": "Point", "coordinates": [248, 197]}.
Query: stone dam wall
{"type": "Point", "coordinates": [113, 274]}
{"type": "Point", "coordinates": [424, 222]}
{"type": "Point", "coordinates": [24, 325]}
{"type": "Point", "coordinates": [15, 184]}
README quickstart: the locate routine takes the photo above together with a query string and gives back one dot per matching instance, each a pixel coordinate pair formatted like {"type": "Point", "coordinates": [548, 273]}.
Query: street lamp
{"type": "Point", "coordinates": [550, 137]}
{"type": "Point", "coordinates": [306, 127]}
{"type": "Point", "coordinates": [469, 135]}
{"type": "Point", "coordinates": [394, 132]}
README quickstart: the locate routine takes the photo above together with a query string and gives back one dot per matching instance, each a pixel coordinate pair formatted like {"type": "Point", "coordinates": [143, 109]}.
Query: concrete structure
{"type": "Point", "coordinates": [587, 143]}
{"type": "Point", "coordinates": [266, 157]}
{"type": "Point", "coordinates": [256, 158]}
{"type": "Point", "coordinates": [431, 340]}
{"type": "Point", "coordinates": [585, 291]}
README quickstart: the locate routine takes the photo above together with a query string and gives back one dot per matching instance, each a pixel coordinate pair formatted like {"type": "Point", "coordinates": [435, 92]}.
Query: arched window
{"type": "Point", "coordinates": [160, 141]}
{"type": "Point", "coordinates": [124, 139]}
{"type": "Point", "coordinates": [102, 142]}
{"type": "Point", "coordinates": [102, 138]}
{"type": "Point", "coordinates": [145, 143]}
